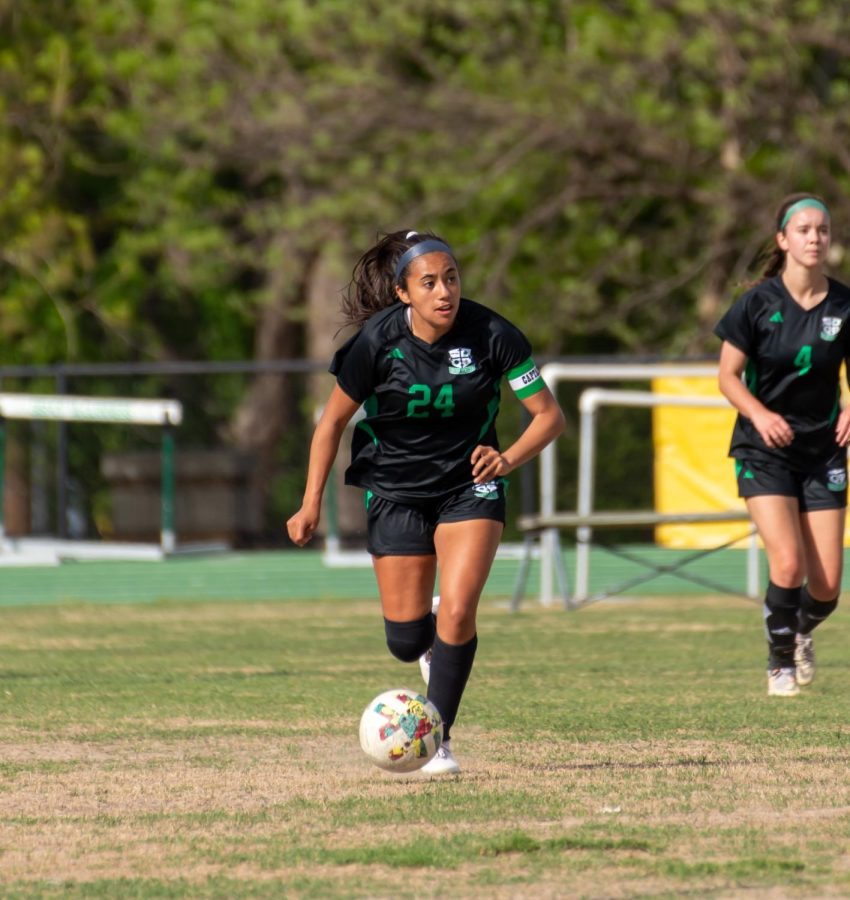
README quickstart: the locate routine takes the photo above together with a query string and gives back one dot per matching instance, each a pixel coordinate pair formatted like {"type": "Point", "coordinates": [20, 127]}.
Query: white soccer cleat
{"type": "Point", "coordinates": [804, 659]}
{"type": "Point", "coordinates": [425, 666]}
{"type": "Point", "coordinates": [443, 762]}
{"type": "Point", "coordinates": [782, 683]}
{"type": "Point", "coordinates": [425, 659]}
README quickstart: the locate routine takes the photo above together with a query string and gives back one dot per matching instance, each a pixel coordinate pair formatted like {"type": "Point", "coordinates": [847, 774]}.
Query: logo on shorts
{"type": "Point", "coordinates": [830, 326]}
{"type": "Point", "coordinates": [460, 361]}
{"type": "Point", "coordinates": [836, 479]}
{"type": "Point", "coordinates": [487, 491]}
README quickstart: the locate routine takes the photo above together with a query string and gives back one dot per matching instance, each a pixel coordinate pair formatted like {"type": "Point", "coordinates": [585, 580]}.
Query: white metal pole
{"type": "Point", "coordinates": [548, 538]}
{"type": "Point", "coordinates": [588, 403]}
{"type": "Point", "coordinates": [753, 589]}
{"type": "Point", "coordinates": [549, 544]}
{"type": "Point", "coordinates": [554, 372]}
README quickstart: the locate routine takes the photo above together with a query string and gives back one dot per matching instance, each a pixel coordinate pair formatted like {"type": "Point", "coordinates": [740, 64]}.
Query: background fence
{"type": "Point", "coordinates": [91, 481]}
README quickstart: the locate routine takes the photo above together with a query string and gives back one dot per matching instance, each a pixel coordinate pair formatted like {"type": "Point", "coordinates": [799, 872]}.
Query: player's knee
{"type": "Point", "coordinates": [407, 641]}
{"type": "Point", "coordinates": [457, 622]}
{"type": "Point", "coordinates": [819, 587]}
{"type": "Point", "coordinates": [787, 568]}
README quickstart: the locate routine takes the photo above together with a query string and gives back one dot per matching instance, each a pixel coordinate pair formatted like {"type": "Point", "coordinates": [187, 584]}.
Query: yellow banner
{"type": "Point", "coordinates": [692, 470]}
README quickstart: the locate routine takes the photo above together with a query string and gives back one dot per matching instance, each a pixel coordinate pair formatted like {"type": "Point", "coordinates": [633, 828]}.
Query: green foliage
{"type": "Point", "coordinates": [175, 173]}
{"type": "Point", "coordinates": [164, 160]}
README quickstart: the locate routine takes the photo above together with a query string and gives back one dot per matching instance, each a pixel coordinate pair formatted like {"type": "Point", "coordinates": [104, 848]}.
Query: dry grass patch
{"type": "Point", "coordinates": [210, 750]}
{"type": "Point", "coordinates": [236, 805]}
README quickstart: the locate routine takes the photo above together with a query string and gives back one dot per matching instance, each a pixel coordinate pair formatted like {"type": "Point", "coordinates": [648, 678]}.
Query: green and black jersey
{"type": "Point", "coordinates": [427, 406]}
{"type": "Point", "coordinates": [793, 360]}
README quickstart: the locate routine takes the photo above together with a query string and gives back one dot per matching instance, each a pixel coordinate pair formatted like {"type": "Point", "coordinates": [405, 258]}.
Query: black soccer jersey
{"type": "Point", "coordinates": [427, 406]}
{"type": "Point", "coordinates": [793, 361]}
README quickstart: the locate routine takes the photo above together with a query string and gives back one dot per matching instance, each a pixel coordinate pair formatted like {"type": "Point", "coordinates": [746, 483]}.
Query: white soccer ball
{"type": "Point", "coordinates": [401, 730]}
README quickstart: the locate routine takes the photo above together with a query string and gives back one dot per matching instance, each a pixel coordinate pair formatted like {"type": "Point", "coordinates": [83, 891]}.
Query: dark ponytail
{"type": "Point", "coordinates": [373, 281]}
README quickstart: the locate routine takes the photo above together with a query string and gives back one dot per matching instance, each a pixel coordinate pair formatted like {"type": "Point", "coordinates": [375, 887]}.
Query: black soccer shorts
{"type": "Point", "coordinates": [823, 487]}
{"type": "Point", "coordinates": [407, 528]}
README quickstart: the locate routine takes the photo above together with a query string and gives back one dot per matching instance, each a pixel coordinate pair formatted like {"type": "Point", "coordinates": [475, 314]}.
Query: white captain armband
{"type": "Point", "coordinates": [525, 379]}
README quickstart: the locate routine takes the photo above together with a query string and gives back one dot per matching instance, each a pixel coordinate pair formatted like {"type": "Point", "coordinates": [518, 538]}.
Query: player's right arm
{"type": "Point", "coordinates": [323, 450]}
{"type": "Point", "coordinates": [772, 427]}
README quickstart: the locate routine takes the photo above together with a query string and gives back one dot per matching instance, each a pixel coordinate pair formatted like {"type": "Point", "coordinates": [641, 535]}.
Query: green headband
{"type": "Point", "coordinates": [802, 204]}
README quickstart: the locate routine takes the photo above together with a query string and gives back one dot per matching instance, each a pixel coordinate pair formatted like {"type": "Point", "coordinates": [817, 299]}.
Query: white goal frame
{"type": "Point", "coordinates": [74, 408]}
{"type": "Point", "coordinates": [584, 519]}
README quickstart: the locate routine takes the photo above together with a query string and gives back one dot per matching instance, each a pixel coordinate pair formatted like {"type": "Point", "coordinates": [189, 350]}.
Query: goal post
{"type": "Point", "coordinates": [119, 410]}
{"type": "Point", "coordinates": [548, 521]}
{"type": "Point", "coordinates": [590, 402]}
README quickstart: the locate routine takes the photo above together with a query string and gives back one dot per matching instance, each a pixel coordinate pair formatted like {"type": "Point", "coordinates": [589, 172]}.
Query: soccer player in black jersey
{"type": "Point", "coordinates": [783, 344]}
{"type": "Point", "coordinates": [427, 367]}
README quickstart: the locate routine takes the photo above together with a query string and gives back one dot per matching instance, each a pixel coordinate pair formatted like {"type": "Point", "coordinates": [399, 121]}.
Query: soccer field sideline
{"type": "Point", "coordinates": [301, 574]}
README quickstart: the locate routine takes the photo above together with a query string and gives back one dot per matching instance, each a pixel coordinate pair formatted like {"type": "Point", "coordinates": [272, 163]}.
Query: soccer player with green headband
{"type": "Point", "coordinates": [784, 341]}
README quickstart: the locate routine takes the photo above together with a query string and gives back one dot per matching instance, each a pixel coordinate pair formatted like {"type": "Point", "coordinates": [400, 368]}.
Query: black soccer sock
{"type": "Point", "coordinates": [780, 624]}
{"type": "Point", "coordinates": [450, 668]}
{"type": "Point", "coordinates": [812, 612]}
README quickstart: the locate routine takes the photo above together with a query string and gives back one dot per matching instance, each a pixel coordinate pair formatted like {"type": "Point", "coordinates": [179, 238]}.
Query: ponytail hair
{"type": "Point", "coordinates": [374, 277]}
{"type": "Point", "coordinates": [774, 255]}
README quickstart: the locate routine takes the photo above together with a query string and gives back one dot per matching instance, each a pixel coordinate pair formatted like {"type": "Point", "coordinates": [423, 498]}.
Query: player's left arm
{"type": "Point", "coordinates": [547, 422]}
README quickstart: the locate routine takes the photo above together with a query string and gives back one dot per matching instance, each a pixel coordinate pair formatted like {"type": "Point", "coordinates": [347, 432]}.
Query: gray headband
{"type": "Point", "coordinates": [428, 246]}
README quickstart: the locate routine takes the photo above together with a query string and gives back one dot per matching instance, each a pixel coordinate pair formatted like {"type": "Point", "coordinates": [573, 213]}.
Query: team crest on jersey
{"type": "Point", "coordinates": [830, 326]}
{"type": "Point", "coordinates": [836, 479]}
{"type": "Point", "coordinates": [460, 361]}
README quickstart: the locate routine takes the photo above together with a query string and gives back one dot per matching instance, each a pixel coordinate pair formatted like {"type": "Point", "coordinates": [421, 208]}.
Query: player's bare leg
{"type": "Point", "coordinates": [823, 538]}
{"type": "Point", "coordinates": [778, 522]}
{"type": "Point", "coordinates": [465, 551]}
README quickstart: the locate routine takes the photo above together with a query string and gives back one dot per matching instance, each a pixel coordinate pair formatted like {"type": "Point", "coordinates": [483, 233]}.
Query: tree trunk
{"type": "Point", "coordinates": [343, 513]}
{"type": "Point", "coordinates": [270, 404]}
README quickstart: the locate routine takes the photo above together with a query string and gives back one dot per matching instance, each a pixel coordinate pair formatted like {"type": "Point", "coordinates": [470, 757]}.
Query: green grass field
{"type": "Point", "coordinates": [181, 748]}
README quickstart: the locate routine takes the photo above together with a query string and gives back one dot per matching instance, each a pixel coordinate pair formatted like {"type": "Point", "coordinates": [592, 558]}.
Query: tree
{"type": "Point", "coordinates": [195, 179]}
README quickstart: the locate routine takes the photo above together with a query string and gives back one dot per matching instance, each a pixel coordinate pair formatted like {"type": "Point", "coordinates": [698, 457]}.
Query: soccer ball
{"type": "Point", "coordinates": [401, 730]}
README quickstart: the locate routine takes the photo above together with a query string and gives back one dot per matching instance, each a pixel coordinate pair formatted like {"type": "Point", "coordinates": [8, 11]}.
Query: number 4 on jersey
{"type": "Point", "coordinates": [803, 359]}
